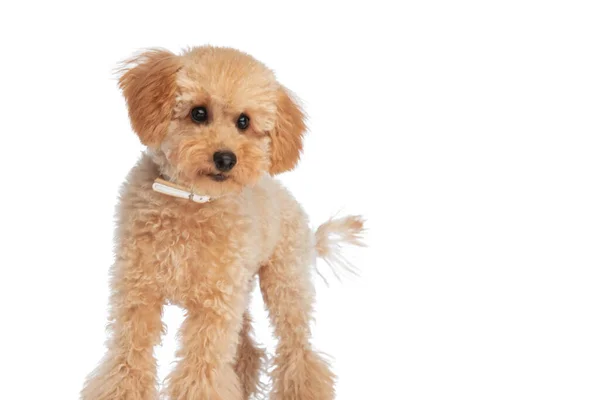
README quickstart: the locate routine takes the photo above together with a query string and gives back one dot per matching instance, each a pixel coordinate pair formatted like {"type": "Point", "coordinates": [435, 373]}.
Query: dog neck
{"type": "Point", "coordinates": [163, 186]}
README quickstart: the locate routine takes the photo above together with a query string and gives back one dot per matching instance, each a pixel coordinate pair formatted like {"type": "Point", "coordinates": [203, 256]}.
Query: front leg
{"type": "Point", "coordinates": [299, 373]}
{"type": "Point", "coordinates": [208, 343]}
{"type": "Point", "coordinates": [128, 370]}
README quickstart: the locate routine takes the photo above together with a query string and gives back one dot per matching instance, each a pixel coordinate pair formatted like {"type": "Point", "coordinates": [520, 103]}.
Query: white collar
{"type": "Point", "coordinates": [171, 189]}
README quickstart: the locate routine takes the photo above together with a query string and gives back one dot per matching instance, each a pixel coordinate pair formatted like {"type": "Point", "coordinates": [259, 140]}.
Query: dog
{"type": "Point", "coordinates": [199, 218]}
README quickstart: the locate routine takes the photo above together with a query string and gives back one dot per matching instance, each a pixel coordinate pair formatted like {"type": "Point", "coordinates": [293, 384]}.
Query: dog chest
{"type": "Point", "coordinates": [196, 253]}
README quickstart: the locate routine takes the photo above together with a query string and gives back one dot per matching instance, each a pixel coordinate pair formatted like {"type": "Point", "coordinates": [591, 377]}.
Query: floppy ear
{"type": "Point", "coordinates": [286, 137]}
{"type": "Point", "coordinates": [148, 84]}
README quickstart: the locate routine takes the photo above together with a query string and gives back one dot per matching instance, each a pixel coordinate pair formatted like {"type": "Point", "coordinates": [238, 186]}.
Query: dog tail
{"type": "Point", "coordinates": [330, 238]}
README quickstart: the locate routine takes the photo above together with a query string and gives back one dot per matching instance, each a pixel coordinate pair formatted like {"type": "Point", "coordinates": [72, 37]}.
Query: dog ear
{"type": "Point", "coordinates": [286, 137]}
{"type": "Point", "coordinates": [148, 84]}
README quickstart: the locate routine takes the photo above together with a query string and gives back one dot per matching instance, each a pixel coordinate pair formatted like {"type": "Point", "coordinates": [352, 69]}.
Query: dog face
{"type": "Point", "coordinates": [215, 119]}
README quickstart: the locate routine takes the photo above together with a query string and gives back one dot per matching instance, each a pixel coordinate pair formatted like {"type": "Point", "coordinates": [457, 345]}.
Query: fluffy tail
{"type": "Point", "coordinates": [332, 235]}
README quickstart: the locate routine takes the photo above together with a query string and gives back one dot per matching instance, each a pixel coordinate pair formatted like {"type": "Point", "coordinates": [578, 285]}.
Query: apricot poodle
{"type": "Point", "coordinates": [200, 216]}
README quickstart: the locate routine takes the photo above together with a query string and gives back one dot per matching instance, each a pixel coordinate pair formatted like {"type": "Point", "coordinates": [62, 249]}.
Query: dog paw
{"type": "Point", "coordinates": [189, 385]}
{"type": "Point", "coordinates": [302, 375]}
{"type": "Point", "coordinates": [119, 383]}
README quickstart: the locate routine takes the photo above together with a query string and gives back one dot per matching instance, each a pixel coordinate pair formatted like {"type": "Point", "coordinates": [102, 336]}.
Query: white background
{"type": "Point", "coordinates": [466, 132]}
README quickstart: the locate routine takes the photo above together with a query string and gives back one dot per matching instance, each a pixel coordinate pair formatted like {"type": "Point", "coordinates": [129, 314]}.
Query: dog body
{"type": "Point", "coordinates": [190, 249]}
{"type": "Point", "coordinates": [215, 121]}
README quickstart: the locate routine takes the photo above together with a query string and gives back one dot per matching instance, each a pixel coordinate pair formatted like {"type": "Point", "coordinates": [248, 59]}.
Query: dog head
{"type": "Point", "coordinates": [214, 119]}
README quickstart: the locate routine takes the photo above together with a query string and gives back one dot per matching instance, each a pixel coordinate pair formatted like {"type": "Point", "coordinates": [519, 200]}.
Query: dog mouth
{"type": "Point", "coordinates": [218, 177]}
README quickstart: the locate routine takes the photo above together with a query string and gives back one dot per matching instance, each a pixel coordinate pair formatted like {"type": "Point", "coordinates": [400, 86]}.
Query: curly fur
{"type": "Point", "coordinates": [205, 257]}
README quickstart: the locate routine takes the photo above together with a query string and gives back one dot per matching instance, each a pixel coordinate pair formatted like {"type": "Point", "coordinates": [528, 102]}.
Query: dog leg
{"type": "Point", "coordinates": [209, 338]}
{"type": "Point", "coordinates": [128, 371]}
{"type": "Point", "coordinates": [299, 372]}
{"type": "Point", "coordinates": [249, 360]}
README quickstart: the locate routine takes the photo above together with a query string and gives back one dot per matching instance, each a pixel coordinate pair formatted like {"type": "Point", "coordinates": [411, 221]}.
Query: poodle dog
{"type": "Point", "coordinates": [199, 217]}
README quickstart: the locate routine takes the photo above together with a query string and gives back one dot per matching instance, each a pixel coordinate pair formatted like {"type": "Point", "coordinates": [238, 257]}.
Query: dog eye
{"type": "Point", "coordinates": [243, 122]}
{"type": "Point", "coordinates": [199, 114]}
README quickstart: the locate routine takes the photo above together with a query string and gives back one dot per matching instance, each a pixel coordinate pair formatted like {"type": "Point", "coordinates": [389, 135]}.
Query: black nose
{"type": "Point", "coordinates": [224, 160]}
